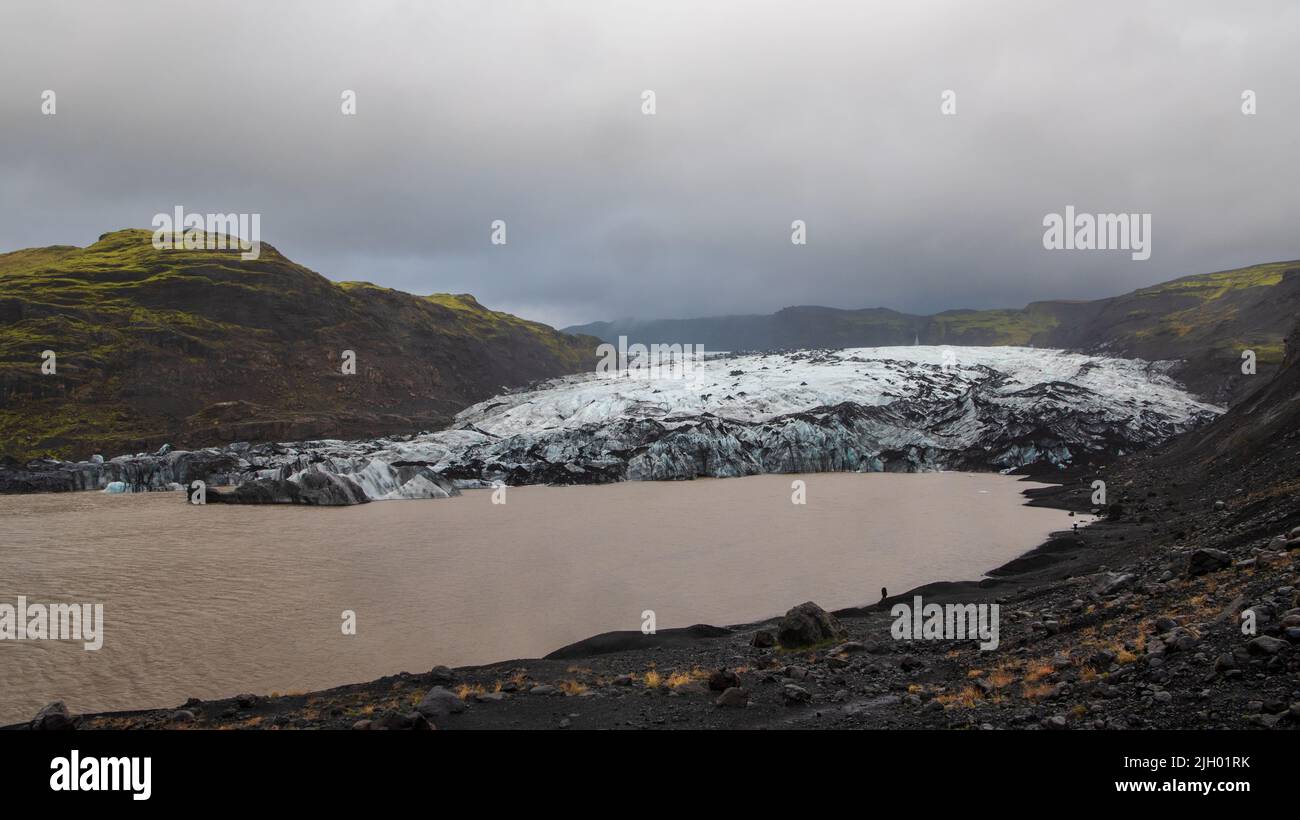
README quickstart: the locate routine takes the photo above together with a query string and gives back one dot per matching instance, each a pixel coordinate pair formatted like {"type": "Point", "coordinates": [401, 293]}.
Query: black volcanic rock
{"type": "Point", "coordinates": [808, 624]}
{"type": "Point", "coordinates": [1207, 560]}
{"type": "Point", "coordinates": [53, 717]}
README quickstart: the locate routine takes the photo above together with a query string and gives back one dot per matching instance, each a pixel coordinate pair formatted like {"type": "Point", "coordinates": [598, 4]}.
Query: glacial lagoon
{"type": "Point", "coordinates": [213, 601]}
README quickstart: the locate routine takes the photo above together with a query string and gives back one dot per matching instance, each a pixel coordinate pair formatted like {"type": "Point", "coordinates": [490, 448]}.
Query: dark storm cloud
{"type": "Point", "coordinates": [530, 113]}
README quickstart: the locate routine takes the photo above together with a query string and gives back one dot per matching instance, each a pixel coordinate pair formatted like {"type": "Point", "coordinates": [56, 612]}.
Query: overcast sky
{"type": "Point", "coordinates": [531, 112]}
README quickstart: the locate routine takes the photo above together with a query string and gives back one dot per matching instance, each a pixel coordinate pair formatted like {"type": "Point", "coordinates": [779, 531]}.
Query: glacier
{"type": "Point", "coordinates": [895, 409]}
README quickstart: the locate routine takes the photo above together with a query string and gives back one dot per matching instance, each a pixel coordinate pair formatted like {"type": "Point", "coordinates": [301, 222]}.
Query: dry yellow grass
{"type": "Point", "coordinates": [1036, 691]}
{"type": "Point", "coordinates": [676, 679]}
{"type": "Point", "coordinates": [1038, 671]}
{"type": "Point", "coordinates": [679, 678]}
{"type": "Point", "coordinates": [466, 691]}
{"type": "Point", "coordinates": [572, 687]}
{"type": "Point", "coordinates": [969, 697]}
{"type": "Point", "coordinates": [652, 679]}
{"type": "Point", "coordinates": [1001, 678]}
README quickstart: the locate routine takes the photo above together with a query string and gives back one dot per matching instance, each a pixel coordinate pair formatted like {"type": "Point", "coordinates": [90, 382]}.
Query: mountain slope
{"type": "Point", "coordinates": [197, 347]}
{"type": "Point", "coordinates": [1205, 320]}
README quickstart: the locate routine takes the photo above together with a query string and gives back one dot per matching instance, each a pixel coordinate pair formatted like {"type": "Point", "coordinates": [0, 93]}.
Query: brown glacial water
{"type": "Point", "coordinates": [217, 600]}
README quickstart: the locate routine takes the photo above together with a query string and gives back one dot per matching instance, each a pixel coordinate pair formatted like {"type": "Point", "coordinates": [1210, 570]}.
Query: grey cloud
{"type": "Point", "coordinates": [767, 112]}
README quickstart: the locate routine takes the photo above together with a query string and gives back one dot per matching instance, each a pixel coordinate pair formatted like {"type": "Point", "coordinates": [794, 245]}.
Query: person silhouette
{"type": "Point", "coordinates": [884, 593]}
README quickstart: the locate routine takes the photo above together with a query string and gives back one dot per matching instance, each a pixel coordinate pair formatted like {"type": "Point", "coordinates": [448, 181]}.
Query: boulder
{"type": "Point", "coordinates": [1102, 659]}
{"type": "Point", "coordinates": [53, 717]}
{"type": "Point", "coordinates": [1266, 645]}
{"type": "Point", "coordinates": [1207, 560]}
{"type": "Point", "coordinates": [763, 639]}
{"type": "Point", "coordinates": [808, 624]}
{"type": "Point", "coordinates": [394, 721]}
{"type": "Point", "coordinates": [439, 703]}
{"type": "Point", "coordinates": [795, 695]}
{"type": "Point", "coordinates": [722, 680]}
{"type": "Point", "coordinates": [734, 698]}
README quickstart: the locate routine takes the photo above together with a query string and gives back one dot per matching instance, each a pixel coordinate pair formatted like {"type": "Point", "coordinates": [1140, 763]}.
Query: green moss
{"type": "Point", "coordinates": [1209, 286]}
{"type": "Point", "coordinates": [167, 332]}
{"type": "Point", "coordinates": [993, 327]}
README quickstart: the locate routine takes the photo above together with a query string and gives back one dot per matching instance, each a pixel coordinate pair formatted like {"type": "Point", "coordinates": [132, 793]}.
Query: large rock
{"type": "Point", "coordinates": [808, 624]}
{"type": "Point", "coordinates": [1266, 645]}
{"type": "Point", "coordinates": [794, 695]}
{"type": "Point", "coordinates": [439, 703]}
{"type": "Point", "coordinates": [1207, 560]}
{"type": "Point", "coordinates": [53, 717]}
{"type": "Point", "coordinates": [397, 721]}
{"type": "Point", "coordinates": [723, 679]}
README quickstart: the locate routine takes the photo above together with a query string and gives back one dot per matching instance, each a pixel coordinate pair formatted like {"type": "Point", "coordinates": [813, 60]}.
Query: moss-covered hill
{"type": "Point", "coordinates": [1205, 320]}
{"type": "Point", "coordinates": [197, 347]}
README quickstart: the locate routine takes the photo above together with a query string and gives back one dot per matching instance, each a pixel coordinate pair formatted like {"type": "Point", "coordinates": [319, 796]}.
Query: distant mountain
{"type": "Point", "coordinates": [199, 347]}
{"type": "Point", "coordinates": [1205, 320]}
